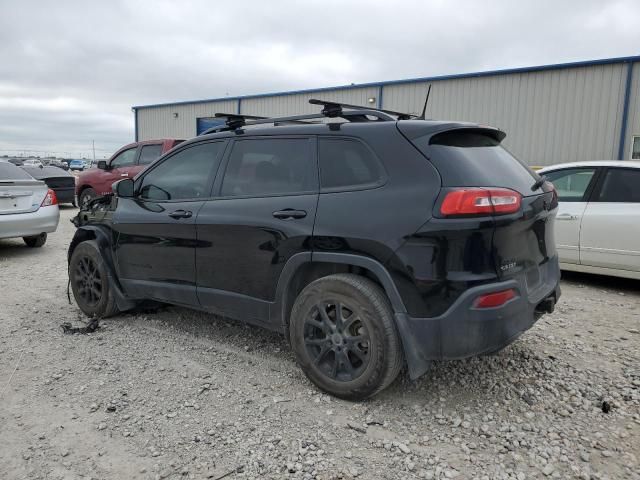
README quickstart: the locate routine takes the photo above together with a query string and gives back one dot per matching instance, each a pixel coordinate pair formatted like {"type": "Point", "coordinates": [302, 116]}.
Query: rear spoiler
{"type": "Point", "coordinates": [413, 130]}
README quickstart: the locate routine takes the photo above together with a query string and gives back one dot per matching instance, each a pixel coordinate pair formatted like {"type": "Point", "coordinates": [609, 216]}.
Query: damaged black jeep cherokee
{"type": "Point", "coordinates": [371, 241]}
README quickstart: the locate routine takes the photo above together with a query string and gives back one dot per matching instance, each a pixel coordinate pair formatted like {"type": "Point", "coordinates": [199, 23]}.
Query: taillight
{"type": "Point", "coordinates": [495, 299]}
{"type": "Point", "coordinates": [49, 199]}
{"type": "Point", "coordinates": [480, 201]}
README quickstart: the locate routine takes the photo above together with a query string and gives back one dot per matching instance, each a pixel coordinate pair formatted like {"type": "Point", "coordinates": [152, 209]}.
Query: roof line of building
{"type": "Point", "coordinates": [489, 73]}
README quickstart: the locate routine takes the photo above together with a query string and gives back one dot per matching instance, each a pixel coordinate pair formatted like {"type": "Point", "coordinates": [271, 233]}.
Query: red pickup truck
{"type": "Point", "coordinates": [126, 162]}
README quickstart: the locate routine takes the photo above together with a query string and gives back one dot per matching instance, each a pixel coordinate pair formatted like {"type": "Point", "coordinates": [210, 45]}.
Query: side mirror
{"type": "Point", "coordinates": [102, 164]}
{"type": "Point", "coordinates": [123, 188]}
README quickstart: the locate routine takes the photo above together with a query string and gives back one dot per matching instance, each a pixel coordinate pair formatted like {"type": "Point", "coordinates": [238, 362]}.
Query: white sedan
{"type": "Point", "coordinates": [28, 208]}
{"type": "Point", "coordinates": [598, 222]}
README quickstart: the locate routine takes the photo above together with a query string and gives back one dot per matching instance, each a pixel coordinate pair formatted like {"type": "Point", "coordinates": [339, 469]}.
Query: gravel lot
{"type": "Point", "coordinates": [180, 394]}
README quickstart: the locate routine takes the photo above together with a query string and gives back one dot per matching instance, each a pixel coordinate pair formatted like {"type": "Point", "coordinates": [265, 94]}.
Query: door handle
{"type": "Point", "coordinates": [288, 213]}
{"type": "Point", "coordinates": [180, 214]}
{"type": "Point", "coordinates": [566, 216]}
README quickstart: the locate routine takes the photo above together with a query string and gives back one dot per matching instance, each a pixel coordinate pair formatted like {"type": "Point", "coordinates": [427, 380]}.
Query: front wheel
{"type": "Point", "coordinates": [86, 196]}
{"type": "Point", "coordinates": [90, 281]}
{"type": "Point", "coordinates": [35, 241]}
{"type": "Point", "coordinates": [344, 336]}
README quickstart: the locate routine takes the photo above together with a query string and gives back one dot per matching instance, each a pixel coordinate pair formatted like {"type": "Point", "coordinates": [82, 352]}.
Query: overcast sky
{"type": "Point", "coordinates": [71, 70]}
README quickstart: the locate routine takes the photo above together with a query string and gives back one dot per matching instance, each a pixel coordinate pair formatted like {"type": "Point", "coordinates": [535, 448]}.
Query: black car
{"type": "Point", "coordinates": [59, 180]}
{"type": "Point", "coordinates": [371, 241]}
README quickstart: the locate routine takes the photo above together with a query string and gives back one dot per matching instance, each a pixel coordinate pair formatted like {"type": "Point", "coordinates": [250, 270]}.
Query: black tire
{"type": "Point", "coordinates": [36, 241]}
{"type": "Point", "coordinates": [355, 357]}
{"type": "Point", "coordinates": [90, 281]}
{"type": "Point", "coordinates": [86, 196]}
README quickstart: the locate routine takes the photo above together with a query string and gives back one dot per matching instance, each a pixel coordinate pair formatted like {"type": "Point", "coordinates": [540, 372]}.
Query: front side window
{"type": "Point", "coordinates": [347, 163]}
{"type": "Point", "coordinates": [125, 159]}
{"type": "Point", "coordinates": [270, 166]}
{"type": "Point", "coordinates": [571, 184]}
{"type": "Point", "coordinates": [149, 153]}
{"type": "Point", "coordinates": [620, 185]}
{"type": "Point", "coordinates": [185, 175]}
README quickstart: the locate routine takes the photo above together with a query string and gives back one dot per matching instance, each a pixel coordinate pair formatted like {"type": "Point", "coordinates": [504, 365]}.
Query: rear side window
{"type": "Point", "coordinates": [274, 166]}
{"type": "Point", "coordinates": [183, 176]}
{"type": "Point", "coordinates": [620, 185]}
{"type": "Point", "coordinates": [149, 153]}
{"type": "Point", "coordinates": [347, 163]}
{"type": "Point", "coordinates": [571, 184]}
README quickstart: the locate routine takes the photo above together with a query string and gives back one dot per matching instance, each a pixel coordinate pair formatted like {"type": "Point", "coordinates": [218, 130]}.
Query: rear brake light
{"type": "Point", "coordinates": [495, 299]}
{"type": "Point", "coordinates": [49, 199]}
{"type": "Point", "coordinates": [480, 201]}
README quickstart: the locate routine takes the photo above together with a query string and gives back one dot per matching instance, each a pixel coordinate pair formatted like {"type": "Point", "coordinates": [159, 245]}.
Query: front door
{"type": "Point", "coordinates": [263, 215]}
{"type": "Point", "coordinates": [116, 170]}
{"type": "Point", "coordinates": [572, 185]}
{"type": "Point", "coordinates": [156, 230]}
{"type": "Point", "coordinates": [610, 235]}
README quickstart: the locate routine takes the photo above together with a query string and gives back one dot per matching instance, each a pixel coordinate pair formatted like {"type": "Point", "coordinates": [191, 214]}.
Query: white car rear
{"type": "Point", "coordinates": [598, 222]}
{"type": "Point", "coordinates": [28, 208]}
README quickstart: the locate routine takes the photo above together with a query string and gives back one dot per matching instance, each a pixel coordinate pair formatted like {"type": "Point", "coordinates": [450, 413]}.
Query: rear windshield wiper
{"type": "Point", "coordinates": [538, 183]}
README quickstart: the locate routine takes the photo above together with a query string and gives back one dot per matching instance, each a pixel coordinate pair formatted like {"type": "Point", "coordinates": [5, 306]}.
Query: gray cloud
{"type": "Point", "coordinates": [71, 70]}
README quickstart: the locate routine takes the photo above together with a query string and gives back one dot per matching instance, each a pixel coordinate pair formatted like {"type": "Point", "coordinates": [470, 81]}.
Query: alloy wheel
{"type": "Point", "coordinates": [337, 340]}
{"type": "Point", "coordinates": [88, 280]}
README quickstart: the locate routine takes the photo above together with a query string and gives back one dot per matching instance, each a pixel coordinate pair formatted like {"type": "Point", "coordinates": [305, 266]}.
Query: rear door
{"type": "Point", "coordinates": [573, 186]}
{"type": "Point", "coordinates": [263, 214]}
{"type": "Point", "coordinates": [156, 230]}
{"type": "Point", "coordinates": [610, 234]}
{"type": "Point", "coordinates": [523, 242]}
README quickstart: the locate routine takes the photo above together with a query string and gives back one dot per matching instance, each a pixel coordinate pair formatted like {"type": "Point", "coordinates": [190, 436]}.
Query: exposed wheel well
{"type": "Point", "coordinates": [307, 273]}
{"type": "Point", "coordinates": [80, 236]}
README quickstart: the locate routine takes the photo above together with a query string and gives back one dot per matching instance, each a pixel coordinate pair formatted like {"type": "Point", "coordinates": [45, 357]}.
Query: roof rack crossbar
{"type": "Point", "coordinates": [361, 114]}
{"type": "Point", "coordinates": [333, 108]}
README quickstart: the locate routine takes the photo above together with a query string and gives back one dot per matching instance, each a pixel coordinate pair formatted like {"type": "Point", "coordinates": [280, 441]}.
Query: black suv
{"type": "Point", "coordinates": [372, 241]}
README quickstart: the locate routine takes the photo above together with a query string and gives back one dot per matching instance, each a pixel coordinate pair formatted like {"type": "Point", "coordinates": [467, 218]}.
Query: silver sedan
{"type": "Point", "coordinates": [28, 208]}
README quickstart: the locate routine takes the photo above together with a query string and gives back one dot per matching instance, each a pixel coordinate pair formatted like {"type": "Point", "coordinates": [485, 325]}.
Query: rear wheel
{"type": "Point", "coordinates": [86, 196]}
{"type": "Point", "coordinates": [344, 337]}
{"type": "Point", "coordinates": [35, 241]}
{"type": "Point", "coordinates": [90, 281]}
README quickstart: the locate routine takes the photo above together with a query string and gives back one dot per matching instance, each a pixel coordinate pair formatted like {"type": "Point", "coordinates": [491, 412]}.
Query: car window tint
{"type": "Point", "coordinates": [346, 163]}
{"type": "Point", "coordinates": [571, 184]}
{"type": "Point", "coordinates": [125, 159]}
{"type": "Point", "coordinates": [269, 167]}
{"type": "Point", "coordinates": [185, 175]}
{"type": "Point", "coordinates": [620, 185]}
{"type": "Point", "coordinates": [149, 153]}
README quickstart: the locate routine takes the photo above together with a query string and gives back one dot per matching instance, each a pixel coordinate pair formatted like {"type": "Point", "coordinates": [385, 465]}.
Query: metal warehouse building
{"type": "Point", "coordinates": [553, 113]}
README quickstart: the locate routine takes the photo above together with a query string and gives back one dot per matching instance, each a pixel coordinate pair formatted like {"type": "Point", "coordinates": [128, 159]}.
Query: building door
{"type": "Point", "coordinates": [205, 123]}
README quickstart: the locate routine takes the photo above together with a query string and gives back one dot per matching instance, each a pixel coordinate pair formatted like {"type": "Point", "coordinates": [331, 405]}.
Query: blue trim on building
{"type": "Point", "coordinates": [380, 88]}
{"type": "Point", "coordinates": [239, 106]}
{"type": "Point", "coordinates": [625, 110]}
{"type": "Point", "coordinates": [540, 68]}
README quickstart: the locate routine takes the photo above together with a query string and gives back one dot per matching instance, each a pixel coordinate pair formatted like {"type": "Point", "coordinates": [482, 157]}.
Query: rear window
{"type": "Point", "coordinates": [8, 171]}
{"type": "Point", "coordinates": [149, 153]}
{"type": "Point", "coordinates": [473, 158]}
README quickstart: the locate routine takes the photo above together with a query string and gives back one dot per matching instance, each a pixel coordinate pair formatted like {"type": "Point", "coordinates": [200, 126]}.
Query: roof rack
{"type": "Point", "coordinates": [354, 113]}
{"type": "Point", "coordinates": [335, 108]}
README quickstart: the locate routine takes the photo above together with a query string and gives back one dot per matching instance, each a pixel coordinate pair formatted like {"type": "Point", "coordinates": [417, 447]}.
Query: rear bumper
{"type": "Point", "coordinates": [464, 331]}
{"type": "Point", "coordinates": [66, 194]}
{"type": "Point", "coordinates": [43, 220]}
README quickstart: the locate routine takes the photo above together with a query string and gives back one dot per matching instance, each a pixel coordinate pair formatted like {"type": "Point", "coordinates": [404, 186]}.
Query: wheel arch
{"type": "Point", "coordinates": [303, 268]}
{"type": "Point", "coordinates": [102, 238]}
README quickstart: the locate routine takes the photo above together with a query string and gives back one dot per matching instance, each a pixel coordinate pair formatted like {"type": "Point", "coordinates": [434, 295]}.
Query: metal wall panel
{"type": "Point", "coordinates": [299, 103]}
{"type": "Point", "coordinates": [159, 122]}
{"type": "Point", "coordinates": [550, 116]}
{"type": "Point", "coordinates": [633, 118]}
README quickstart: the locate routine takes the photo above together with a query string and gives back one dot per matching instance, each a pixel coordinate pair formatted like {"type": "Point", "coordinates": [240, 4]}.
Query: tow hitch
{"type": "Point", "coordinates": [548, 305]}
